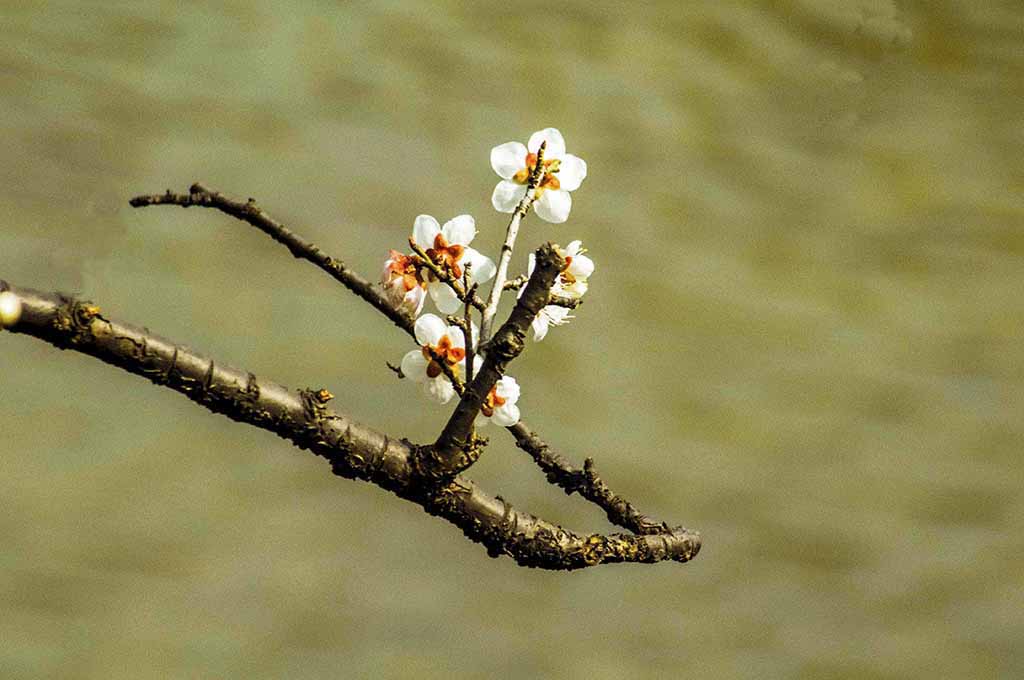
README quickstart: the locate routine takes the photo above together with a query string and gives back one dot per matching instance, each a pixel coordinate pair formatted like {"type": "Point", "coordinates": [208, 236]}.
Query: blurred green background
{"type": "Point", "coordinates": [803, 338]}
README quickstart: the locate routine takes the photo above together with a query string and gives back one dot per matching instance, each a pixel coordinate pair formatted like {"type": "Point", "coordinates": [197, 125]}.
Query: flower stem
{"type": "Point", "coordinates": [524, 206]}
{"type": "Point", "coordinates": [467, 328]}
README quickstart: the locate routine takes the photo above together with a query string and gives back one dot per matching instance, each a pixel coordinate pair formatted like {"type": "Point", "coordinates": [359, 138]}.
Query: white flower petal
{"type": "Point", "coordinates": [429, 327]}
{"type": "Point", "coordinates": [456, 337]}
{"type": "Point", "coordinates": [555, 147]}
{"type": "Point", "coordinates": [576, 290]}
{"type": "Point", "coordinates": [540, 327]}
{"type": "Point", "coordinates": [414, 299]}
{"type": "Point", "coordinates": [508, 389]}
{"type": "Point", "coordinates": [394, 291]}
{"type": "Point", "coordinates": [507, 195]}
{"type": "Point", "coordinates": [424, 229]}
{"type": "Point", "coordinates": [554, 206]}
{"type": "Point", "coordinates": [506, 415]}
{"type": "Point", "coordinates": [571, 172]}
{"type": "Point", "coordinates": [460, 230]}
{"type": "Point", "coordinates": [440, 389]}
{"type": "Point", "coordinates": [482, 268]}
{"type": "Point", "coordinates": [531, 262]}
{"type": "Point", "coordinates": [444, 297]}
{"type": "Point", "coordinates": [581, 267]}
{"type": "Point", "coordinates": [555, 314]}
{"type": "Point", "coordinates": [509, 158]}
{"type": "Point", "coordinates": [414, 365]}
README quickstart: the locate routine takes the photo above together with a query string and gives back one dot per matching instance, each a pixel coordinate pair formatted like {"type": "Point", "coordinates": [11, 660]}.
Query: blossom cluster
{"type": "Point", "coordinates": [446, 268]}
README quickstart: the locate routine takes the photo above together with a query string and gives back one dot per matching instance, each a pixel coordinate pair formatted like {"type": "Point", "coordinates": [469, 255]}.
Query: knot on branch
{"type": "Point", "coordinates": [313, 434]}
{"type": "Point", "coordinates": [73, 321]}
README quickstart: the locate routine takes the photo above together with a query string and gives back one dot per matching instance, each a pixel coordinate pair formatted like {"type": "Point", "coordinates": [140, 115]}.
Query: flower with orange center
{"type": "Point", "coordinates": [571, 282]}
{"type": "Point", "coordinates": [444, 351]}
{"type": "Point", "coordinates": [562, 173]}
{"type": "Point", "coordinates": [500, 405]}
{"type": "Point", "coordinates": [446, 256]}
{"type": "Point", "coordinates": [403, 281]}
{"type": "Point", "coordinates": [448, 248]}
{"type": "Point", "coordinates": [438, 343]}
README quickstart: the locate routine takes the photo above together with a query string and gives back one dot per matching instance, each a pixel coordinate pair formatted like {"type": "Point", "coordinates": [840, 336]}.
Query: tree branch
{"type": "Point", "coordinates": [249, 212]}
{"type": "Point", "coordinates": [455, 449]}
{"type": "Point", "coordinates": [585, 482]}
{"type": "Point", "coordinates": [558, 471]}
{"type": "Point", "coordinates": [353, 450]}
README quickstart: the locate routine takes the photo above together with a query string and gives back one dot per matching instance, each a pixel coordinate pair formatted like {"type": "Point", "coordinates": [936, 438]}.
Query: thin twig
{"type": "Point", "coordinates": [585, 482]}
{"type": "Point", "coordinates": [516, 283]}
{"type": "Point", "coordinates": [467, 327]}
{"type": "Point", "coordinates": [353, 450]}
{"type": "Point", "coordinates": [565, 301]}
{"type": "Point", "coordinates": [510, 241]}
{"type": "Point", "coordinates": [249, 212]}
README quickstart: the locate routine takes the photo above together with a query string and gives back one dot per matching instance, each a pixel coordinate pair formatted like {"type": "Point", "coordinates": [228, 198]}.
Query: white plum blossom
{"type": "Point", "coordinates": [571, 283]}
{"type": "Point", "coordinates": [563, 173]}
{"type": "Point", "coordinates": [552, 315]}
{"type": "Point", "coordinates": [403, 282]}
{"type": "Point", "coordinates": [448, 248]}
{"type": "Point", "coordinates": [438, 342]}
{"type": "Point", "coordinates": [500, 405]}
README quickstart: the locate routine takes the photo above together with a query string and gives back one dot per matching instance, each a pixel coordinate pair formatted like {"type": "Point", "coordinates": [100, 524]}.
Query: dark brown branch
{"type": "Point", "coordinates": [249, 212]}
{"type": "Point", "coordinates": [585, 482]}
{"type": "Point", "coordinates": [353, 450]}
{"type": "Point", "coordinates": [455, 449]}
{"type": "Point", "coordinates": [556, 468]}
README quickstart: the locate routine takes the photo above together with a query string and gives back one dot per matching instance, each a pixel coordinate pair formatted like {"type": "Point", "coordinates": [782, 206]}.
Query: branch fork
{"type": "Point", "coordinates": [430, 475]}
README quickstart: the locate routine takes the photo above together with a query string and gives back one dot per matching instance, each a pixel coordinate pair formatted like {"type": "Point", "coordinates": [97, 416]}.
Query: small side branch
{"type": "Point", "coordinates": [564, 301]}
{"type": "Point", "coordinates": [516, 283]}
{"type": "Point", "coordinates": [249, 212]}
{"type": "Point", "coordinates": [353, 450]}
{"type": "Point", "coordinates": [586, 483]}
{"type": "Point", "coordinates": [467, 323]}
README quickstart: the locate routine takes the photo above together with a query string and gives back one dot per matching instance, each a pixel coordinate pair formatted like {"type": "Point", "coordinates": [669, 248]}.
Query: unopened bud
{"type": "Point", "coordinates": [10, 309]}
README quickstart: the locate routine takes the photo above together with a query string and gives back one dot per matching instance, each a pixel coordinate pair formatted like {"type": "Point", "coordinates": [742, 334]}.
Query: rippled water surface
{"type": "Point", "coordinates": [804, 336]}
